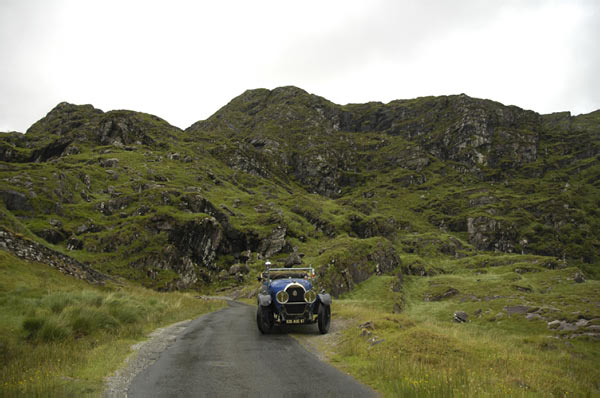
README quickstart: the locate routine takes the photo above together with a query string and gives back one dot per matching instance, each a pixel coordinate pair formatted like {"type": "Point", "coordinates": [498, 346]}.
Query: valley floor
{"type": "Point", "coordinates": [532, 328]}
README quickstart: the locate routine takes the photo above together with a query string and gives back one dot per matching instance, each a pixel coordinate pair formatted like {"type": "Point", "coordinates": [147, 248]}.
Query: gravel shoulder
{"type": "Point", "coordinates": [145, 354]}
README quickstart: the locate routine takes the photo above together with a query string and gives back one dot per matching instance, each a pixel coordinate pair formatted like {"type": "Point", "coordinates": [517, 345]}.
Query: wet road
{"type": "Point", "coordinates": [222, 354]}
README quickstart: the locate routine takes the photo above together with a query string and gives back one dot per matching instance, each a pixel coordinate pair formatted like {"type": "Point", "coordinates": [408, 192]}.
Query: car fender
{"type": "Point", "coordinates": [264, 300]}
{"type": "Point", "coordinates": [324, 298]}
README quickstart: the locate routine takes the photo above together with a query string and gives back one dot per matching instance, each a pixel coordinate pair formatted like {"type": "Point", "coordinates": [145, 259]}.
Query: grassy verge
{"type": "Point", "coordinates": [422, 352]}
{"type": "Point", "coordinates": [60, 336]}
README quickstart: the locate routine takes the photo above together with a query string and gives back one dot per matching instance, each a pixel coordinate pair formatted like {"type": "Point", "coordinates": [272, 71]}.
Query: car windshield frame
{"type": "Point", "coordinates": [287, 273]}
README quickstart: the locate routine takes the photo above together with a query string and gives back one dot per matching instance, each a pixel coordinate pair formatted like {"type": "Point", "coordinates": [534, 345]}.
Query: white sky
{"type": "Point", "coordinates": [183, 60]}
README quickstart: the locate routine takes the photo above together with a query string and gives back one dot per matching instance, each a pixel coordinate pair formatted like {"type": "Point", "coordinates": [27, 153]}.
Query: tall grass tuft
{"type": "Point", "coordinates": [57, 302]}
{"type": "Point", "coordinates": [32, 326]}
{"type": "Point", "coordinates": [87, 320]}
{"type": "Point", "coordinates": [80, 313]}
{"type": "Point", "coordinates": [53, 330]}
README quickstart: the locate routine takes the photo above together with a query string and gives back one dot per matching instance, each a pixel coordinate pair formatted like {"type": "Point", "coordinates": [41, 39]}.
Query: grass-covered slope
{"type": "Point", "coordinates": [60, 336]}
{"type": "Point", "coordinates": [400, 335]}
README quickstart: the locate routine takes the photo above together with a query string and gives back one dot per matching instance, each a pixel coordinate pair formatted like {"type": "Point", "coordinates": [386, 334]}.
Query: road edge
{"type": "Point", "coordinates": [145, 353]}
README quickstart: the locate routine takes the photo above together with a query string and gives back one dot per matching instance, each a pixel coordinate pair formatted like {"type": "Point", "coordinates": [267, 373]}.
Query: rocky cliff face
{"type": "Point", "coordinates": [276, 173]}
{"type": "Point", "coordinates": [307, 136]}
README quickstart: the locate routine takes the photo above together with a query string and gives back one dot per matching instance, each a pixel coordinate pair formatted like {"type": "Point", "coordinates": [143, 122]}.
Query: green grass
{"type": "Point", "coordinates": [60, 336]}
{"type": "Point", "coordinates": [422, 352]}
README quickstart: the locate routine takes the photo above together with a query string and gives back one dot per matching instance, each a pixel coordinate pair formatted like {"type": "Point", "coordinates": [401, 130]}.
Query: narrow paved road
{"type": "Point", "coordinates": [223, 354]}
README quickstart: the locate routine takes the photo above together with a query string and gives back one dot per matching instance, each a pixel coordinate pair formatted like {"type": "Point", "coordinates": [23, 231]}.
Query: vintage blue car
{"type": "Point", "coordinates": [287, 297]}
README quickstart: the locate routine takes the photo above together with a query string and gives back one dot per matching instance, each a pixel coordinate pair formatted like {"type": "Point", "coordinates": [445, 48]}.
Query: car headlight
{"type": "Point", "coordinates": [282, 297]}
{"type": "Point", "coordinates": [310, 296]}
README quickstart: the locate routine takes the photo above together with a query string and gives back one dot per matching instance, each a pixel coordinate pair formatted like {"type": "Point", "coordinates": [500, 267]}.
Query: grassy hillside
{"type": "Point", "coordinates": [406, 343]}
{"type": "Point", "coordinates": [60, 336]}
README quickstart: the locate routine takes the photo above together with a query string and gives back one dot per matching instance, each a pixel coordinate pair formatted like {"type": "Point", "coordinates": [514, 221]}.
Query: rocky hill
{"type": "Point", "coordinates": [286, 175]}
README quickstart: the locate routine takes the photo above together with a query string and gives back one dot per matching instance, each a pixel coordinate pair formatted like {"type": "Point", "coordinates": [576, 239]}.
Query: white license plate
{"type": "Point", "coordinates": [294, 321]}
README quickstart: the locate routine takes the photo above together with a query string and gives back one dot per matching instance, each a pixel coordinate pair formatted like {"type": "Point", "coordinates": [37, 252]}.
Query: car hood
{"type": "Point", "coordinates": [280, 284]}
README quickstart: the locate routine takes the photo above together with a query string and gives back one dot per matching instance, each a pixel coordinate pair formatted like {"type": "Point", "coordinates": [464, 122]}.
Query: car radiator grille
{"type": "Point", "coordinates": [296, 294]}
{"type": "Point", "coordinates": [295, 308]}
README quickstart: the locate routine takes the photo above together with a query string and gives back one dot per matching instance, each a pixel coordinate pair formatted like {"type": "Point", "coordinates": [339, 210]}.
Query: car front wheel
{"type": "Point", "coordinates": [324, 318]}
{"type": "Point", "coordinates": [264, 319]}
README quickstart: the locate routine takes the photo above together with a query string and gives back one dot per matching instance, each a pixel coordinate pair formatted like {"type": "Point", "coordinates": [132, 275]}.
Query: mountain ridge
{"type": "Point", "coordinates": [279, 173]}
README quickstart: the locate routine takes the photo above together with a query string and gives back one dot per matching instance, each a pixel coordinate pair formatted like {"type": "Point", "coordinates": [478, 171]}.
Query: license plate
{"type": "Point", "coordinates": [294, 321]}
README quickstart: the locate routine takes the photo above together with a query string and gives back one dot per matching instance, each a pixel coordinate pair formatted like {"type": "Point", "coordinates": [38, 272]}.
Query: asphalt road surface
{"type": "Point", "coordinates": [222, 354]}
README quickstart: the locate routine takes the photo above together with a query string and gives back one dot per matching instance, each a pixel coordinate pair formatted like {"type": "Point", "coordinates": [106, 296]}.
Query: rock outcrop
{"type": "Point", "coordinates": [15, 201]}
{"type": "Point", "coordinates": [32, 251]}
{"type": "Point", "coordinates": [274, 243]}
{"type": "Point", "coordinates": [487, 233]}
{"type": "Point", "coordinates": [120, 128]}
{"type": "Point", "coordinates": [342, 274]}
{"type": "Point", "coordinates": [198, 240]}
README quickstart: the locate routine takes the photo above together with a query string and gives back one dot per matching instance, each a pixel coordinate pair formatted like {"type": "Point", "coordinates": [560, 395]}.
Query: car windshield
{"type": "Point", "coordinates": [287, 274]}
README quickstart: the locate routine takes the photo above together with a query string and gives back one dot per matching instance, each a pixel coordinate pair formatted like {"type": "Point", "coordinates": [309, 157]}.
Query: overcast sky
{"type": "Point", "coordinates": [183, 60]}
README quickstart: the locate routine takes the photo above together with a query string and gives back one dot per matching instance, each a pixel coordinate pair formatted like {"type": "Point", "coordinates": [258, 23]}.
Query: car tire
{"type": "Point", "coordinates": [264, 319]}
{"type": "Point", "coordinates": [324, 318]}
